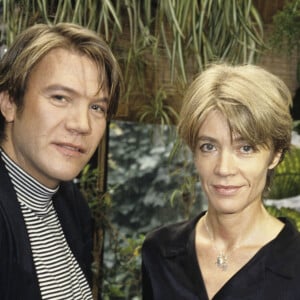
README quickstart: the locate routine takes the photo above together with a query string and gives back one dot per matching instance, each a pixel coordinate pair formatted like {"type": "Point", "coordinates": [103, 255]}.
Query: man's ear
{"type": "Point", "coordinates": [276, 159]}
{"type": "Point", "coordinates": [7, 107]}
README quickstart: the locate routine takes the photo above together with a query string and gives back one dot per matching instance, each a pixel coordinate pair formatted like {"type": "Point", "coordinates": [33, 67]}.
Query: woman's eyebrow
{"type": "Point", "coordinates": [239, 139]}
{"type": "Point", "coordinates": [205, 138]}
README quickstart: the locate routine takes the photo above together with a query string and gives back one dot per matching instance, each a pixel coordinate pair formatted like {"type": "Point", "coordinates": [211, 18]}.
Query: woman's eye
{"type": "Point", "coordinates": [247, 149]}
{"type": "Point", "coordinates": [207, 147]}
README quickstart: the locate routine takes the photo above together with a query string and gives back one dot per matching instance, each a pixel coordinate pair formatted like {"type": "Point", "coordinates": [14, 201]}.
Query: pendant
{"type": "Point", "coordinates": [221, 261]}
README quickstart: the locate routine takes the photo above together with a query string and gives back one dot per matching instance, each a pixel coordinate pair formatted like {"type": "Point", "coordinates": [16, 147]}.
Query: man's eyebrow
{"type": "Point", "coordinates": [58, 87]}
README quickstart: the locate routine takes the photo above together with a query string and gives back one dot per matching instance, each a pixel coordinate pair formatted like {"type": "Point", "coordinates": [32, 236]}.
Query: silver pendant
{"type": "Point", "coordinates": [221, 261]}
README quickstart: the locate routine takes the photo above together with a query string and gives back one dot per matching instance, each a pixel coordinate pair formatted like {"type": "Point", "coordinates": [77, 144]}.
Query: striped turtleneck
{"type": "Point", "coordinates": [59, 274]}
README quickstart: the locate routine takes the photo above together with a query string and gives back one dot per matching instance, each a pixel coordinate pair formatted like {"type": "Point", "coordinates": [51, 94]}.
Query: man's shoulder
{"type": "Point", "coordinates": [69, 196]}
{"type": "Point", "coordinates": [69, 189]}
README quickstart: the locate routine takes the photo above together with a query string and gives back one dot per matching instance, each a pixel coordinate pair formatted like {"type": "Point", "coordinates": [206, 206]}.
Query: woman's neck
{"type": "Point", "coordinates": [231, 231]}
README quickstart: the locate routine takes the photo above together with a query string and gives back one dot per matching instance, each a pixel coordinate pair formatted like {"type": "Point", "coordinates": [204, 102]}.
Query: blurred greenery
{"type": "Point", "coordinates": [139, 198]}
{"type": "Point", "coordinates": [122, 271]}
{"type": "Point", "coordinates": [286, 182]}
{"type": "Point", "coordinates": [297, 126]}
{"type": "Point", "coordinates": [119, 277]}
{"type": "Point", "coordinates": [286, 23]}
{"type": "Point", "coordinates": [143, 177]}
{"type": "Point", "coordinates": [287, 212]}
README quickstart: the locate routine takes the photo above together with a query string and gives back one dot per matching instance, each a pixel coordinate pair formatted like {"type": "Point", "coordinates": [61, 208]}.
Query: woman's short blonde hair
{"type": "Point", "coordinates": [255, 102]}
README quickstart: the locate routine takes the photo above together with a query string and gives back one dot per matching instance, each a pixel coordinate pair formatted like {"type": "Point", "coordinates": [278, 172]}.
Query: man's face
{"type": "Point", "coordinates": [62, 121]}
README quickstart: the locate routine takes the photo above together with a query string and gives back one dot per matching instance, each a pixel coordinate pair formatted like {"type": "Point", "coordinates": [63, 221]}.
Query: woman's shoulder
{"type": "Point", "coordinates": [175, 234]}
{"type": "Point", "coordinates": [290, 231]}
{"type": "Point", "coordinates": [286, 246]}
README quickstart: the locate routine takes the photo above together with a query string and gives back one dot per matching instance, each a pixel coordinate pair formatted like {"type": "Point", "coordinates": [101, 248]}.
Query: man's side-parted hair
{"type": "Point", "coordinates": [255, 103]}
{"type": "Point", "coordinates": [37, 41]}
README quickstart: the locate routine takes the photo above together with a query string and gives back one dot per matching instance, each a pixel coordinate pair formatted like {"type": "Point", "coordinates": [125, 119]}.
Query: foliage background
{"type": "Point", "coordinates": [161, 45]}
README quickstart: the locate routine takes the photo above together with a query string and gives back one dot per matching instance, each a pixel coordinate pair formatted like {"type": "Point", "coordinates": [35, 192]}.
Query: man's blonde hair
{"type": "Point", "coordinates": [37, 41]}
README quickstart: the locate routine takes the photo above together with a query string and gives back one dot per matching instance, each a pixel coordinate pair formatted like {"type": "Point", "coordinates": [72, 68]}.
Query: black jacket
{"type": "Point", "coordinates": [170, 268]}
{"type": "Point", "coordinates": [18, 279]}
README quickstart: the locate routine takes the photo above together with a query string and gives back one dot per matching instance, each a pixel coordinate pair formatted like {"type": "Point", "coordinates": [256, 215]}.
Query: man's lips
{"type": "Point", "coordinates": [226, 189]}
{"type": "Point", "coordinates": [68, 148]}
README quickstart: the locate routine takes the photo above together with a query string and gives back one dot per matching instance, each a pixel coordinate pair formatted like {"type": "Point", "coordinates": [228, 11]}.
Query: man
{"type": "Point", "coordinates": [58, 86]}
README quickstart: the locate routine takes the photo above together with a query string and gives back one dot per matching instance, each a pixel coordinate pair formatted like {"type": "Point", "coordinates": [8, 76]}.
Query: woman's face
{"type": "Point", "coordinates": [232, 172]}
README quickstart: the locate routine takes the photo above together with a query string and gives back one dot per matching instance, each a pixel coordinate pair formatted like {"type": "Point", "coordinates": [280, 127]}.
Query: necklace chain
{"type": "Point", "coordinates": [222, 258]}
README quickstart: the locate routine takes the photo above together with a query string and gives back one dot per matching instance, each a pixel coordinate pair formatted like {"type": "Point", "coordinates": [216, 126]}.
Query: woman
{"type": "Point", "coordinates": [237, 123]}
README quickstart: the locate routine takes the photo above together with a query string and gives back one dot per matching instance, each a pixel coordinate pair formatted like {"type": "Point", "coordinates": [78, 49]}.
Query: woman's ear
{"type": "Point", "coordinates": [7, 107]}
{"type": "Point", "coordinates": [276, 159]}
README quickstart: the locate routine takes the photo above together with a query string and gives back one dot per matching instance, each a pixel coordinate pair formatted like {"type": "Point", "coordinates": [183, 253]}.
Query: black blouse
{"type": "Point", "coordinates": [170, 268]}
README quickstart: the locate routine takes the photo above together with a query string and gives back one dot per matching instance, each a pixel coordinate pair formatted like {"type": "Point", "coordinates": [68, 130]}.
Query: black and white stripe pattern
{"type": "Point", "coordinates": [59, 274]}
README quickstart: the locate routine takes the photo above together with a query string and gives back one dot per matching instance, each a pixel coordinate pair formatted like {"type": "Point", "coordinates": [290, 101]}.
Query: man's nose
{"type": "Point", "coordinates": [78, 120]}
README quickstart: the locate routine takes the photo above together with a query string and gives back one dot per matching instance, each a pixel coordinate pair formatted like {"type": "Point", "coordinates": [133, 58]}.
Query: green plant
{"type": "Point", "coordinates": [158, 111]}
{"type": "Point", "coordinates": [99, 203]}
{"type": "Point", "coordinates": [287, 177]}
{"type": "Point", "coordinates": [101, 16]}
{"type": "Point", "coordinates": [297, 126]}
{"type": "Point", "coordinates": [121, 278]}
{"type": "Point", "coordinates": [159, 43]}
{"type": "Point", "coordinates": [286, 212]}
{"type": "Point", "coordinates": [286, 33]}
{"type": "Point", "coordinates": [170, 40]}
{"type": "Point", "coordinates": [186, 193]}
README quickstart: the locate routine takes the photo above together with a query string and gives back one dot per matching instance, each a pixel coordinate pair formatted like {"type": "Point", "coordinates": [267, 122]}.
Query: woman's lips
{"type": "Point", "coordinates": [226, 189]}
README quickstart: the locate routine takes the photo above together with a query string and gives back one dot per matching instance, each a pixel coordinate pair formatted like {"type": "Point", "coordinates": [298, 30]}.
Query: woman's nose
{"type": "Point", "coordinates": [226, 163]}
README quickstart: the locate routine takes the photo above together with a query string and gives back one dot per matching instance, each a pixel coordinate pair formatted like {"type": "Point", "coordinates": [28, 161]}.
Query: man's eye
{"type": "Point", "coordinates": [207, 147]}
{"type": "Point", "coordinates": [59, 97]}
{"type": "Point", "coordinates": [98, 108]}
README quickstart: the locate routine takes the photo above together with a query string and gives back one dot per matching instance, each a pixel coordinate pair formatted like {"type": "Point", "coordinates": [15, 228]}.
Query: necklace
{"type": "Point", "coordinates": [222, 258]}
